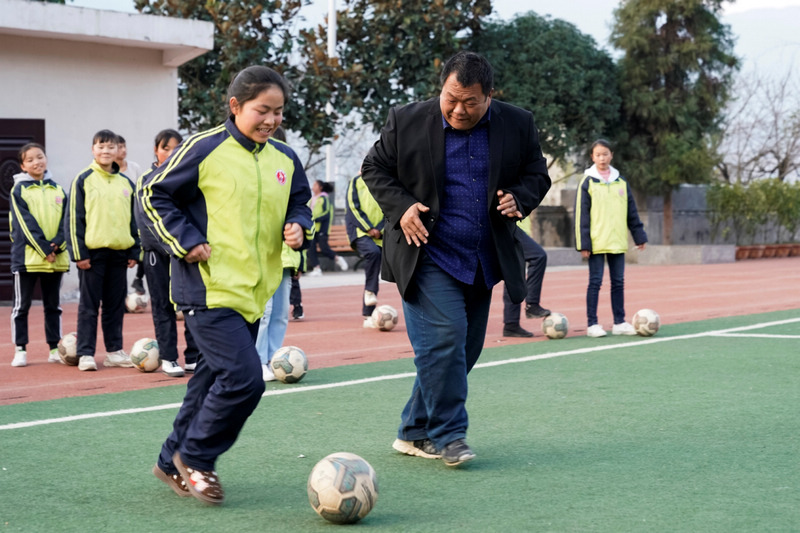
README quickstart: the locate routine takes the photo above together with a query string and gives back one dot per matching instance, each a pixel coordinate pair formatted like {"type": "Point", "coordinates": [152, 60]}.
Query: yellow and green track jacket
{"type": "Point", "coordinates": [363, 212]}
{"type": "Point", "coordinates": [100, 213]}
{"type": "Point", "coordinates": [36, 220]}
{"type": "Point", "coordinates": [322, 213]}
{"type": "Point", "coordinates": [604, 212]}
{"type": "Point", "coordinates": [221, 188]}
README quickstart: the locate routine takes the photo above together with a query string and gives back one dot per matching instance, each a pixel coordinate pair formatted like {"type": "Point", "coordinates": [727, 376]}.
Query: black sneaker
{"type": "Point", "coordinates": [515, 330]}
{"type": "Point", "coordinates": [138, 285]}
{"type": "Point", "coordinates": [457, 452]}
{"type": "Point", "coordinates": [536, 311]}
{"type": "Point", "coordinates": [297, 312]}
{"type": "Point", "coordinates": [419, 448]}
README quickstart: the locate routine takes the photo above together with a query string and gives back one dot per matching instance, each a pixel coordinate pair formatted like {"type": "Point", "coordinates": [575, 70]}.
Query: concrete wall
{"type": "Point", "coordinates": [127, 90]}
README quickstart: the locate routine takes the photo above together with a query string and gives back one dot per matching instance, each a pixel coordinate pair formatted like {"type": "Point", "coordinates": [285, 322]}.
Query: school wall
{"type": "Point", "coordinates": [79, 88]}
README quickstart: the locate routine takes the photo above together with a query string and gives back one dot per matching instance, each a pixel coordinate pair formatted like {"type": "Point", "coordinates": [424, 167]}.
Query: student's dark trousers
{"type": "Point", "coordinates": [224, 390]}
{"type": "Point", "coordinates": [156, 271]}
{"type": "Point", "coordinates": [106, 284]}
{"type": "Point", "coordinates": [24, 283]}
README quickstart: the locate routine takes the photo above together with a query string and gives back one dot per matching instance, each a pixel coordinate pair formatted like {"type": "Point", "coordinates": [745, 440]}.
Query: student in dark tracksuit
{"type": "Point", "coordinates": [156, 270]}
{"type": "Point", "coordinates": [36, 223]}
{"type": "Point", "coordinates": [103, 241]}
{"type": "Point", "coordinates": [223, 204]}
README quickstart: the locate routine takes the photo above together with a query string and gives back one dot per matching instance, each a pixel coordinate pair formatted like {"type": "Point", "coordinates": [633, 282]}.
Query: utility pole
{"type": "Point", "coordinates": [330, 163]}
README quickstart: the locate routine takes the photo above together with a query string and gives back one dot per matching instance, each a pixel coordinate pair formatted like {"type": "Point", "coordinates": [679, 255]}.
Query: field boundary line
{"type": "Point", "coordinates": [756, 336]}
{"type": "Point", "coordinates": [389, 377]}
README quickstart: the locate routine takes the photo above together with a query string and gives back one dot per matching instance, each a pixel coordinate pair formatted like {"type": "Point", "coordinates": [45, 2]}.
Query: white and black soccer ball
{"type": "Point", "coordinates": [555, 326]}
{"type": "Point", "coordinates": [385, 317]}
{"type": "Point", "coordinates": [68, 349]}
{"type": "Point", "coordinates": [342, 488]}
{"type": "Point", "coordinates": [289, 364]}
{"type": "Point", "coordinates": [145, 355]}
{"type": "Point", "coordinates": [646, 322]}
{"type": "Point", "coordinates": [135, 302]}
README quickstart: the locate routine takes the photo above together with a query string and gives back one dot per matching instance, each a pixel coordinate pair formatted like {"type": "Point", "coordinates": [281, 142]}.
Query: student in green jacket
{"type": "Point", "coordinates": [36, 222]}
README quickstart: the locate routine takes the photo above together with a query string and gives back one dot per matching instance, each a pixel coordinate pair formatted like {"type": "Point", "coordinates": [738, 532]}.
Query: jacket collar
{"type": "Point", "coordinates": [249, 145]}
{"type": "Point", "coordinates": [594, 173]}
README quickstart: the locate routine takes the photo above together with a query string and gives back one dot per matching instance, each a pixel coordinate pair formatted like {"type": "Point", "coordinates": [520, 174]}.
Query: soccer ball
{"type": "Point", "coordinates": [135, 302]}
{"type": "Point", "coordinates": [555, 326]}
{"type": "Point", "coordinates": [145, 355]}
{"type": "Point", "coordinates": [68, 349]}
{"type": "Point", "coordinates": [289, 364]}
{"type": "Point", "coordinates": [385, 317]}
{"type": "Point", "coordinates": [646, 322]}
{"type": "Point", "coordinates": [342, 488]}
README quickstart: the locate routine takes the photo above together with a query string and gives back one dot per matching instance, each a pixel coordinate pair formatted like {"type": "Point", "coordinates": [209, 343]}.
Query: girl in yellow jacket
{"type": "Point", "coordinates": [36, 221]}
{"type": "Point", "coordinates": [222, 206]}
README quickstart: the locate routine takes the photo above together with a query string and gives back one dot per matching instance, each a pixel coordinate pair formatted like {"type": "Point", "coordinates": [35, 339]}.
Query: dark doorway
{"type": "Point", "coordinates": [14, 134]}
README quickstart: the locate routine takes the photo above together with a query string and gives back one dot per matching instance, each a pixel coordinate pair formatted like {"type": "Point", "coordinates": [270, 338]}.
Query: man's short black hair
{"type": "Point", "coordinates": [470, 68]}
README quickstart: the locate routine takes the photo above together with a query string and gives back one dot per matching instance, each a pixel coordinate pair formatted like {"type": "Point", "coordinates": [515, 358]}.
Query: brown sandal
{"type": "Point", "coordinates": [202, 484]}
{"type": "Point", "coordinates": [173, 481]}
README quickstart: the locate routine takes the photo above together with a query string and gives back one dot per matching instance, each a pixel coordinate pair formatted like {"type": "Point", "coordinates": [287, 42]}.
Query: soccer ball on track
{"type": "Point", "coordinates": [135, 302]}
{"type": "Point", "coordinates": [342, 488]}
{"type": "Point", "coordinates": [555, 326]}
{"type": "Point", "coordinates": [646, 322]}
{"type": "Point", "coordinates": [68, 349]}
{"type": "Point", "coordinates": [289, 364]}
{"type": "Point", "coordinates": [385, 317]}
{"type": "Point", "coordinates": [145, 355]}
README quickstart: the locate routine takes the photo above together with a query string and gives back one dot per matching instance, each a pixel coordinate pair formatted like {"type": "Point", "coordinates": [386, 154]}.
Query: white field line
{"type": "Point", "coordinates": [757, 336]}
{"type": "Point", "coordinates": [311, 388]}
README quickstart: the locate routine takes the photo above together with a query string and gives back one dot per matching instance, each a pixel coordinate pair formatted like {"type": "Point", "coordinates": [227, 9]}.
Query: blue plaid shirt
{"type": "Point", "coordinates": [462, 239]}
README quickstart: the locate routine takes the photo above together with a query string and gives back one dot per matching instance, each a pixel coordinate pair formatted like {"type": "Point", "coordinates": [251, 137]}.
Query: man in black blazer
{"type": "Point", "coordinates": [452, 175]}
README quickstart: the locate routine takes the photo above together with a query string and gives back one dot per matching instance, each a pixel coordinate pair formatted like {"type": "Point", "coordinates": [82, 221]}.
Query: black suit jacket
{"type": "Point", "coordinates": [407, 165]}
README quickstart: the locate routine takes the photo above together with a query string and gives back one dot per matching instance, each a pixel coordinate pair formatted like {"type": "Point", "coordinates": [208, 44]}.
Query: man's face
{"type": "Point", "coordinates": [461, 106]}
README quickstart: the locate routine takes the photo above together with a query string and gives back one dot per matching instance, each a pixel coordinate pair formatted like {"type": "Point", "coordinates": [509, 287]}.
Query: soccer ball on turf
{"type": "Point", "coordinates": [135, 302]}
{"type": "Point", "coordinates": [145, 355]}
{"type": "Point", "coordinates": [555, 326]}
{"type": "Point", "coordinates": [384, 317]}
{"type": "Point", "coordinates": [289, 364]}
{"type": "Point", "coordinates": [646, 322]}
{"type": "Point", "coordinates": [68, 349]}
{"type": "Point", "coordinates": [342, 488]}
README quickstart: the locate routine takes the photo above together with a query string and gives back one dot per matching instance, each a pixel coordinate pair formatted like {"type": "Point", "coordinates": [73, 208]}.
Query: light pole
{"type": "Point", "coordinates": [330, 163]}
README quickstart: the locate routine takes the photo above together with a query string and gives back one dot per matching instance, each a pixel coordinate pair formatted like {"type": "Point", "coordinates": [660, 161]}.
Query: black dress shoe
{"type": "Point", "coordinates": [536, 311]}
{"type": "Point", "coordinates": [514, 330]}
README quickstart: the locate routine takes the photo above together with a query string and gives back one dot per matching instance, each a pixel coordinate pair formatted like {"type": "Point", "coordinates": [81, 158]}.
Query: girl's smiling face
{"type": "Point", "coordinates": [34, 162]}
{"type": "Point", "coordinates": [258, 118]}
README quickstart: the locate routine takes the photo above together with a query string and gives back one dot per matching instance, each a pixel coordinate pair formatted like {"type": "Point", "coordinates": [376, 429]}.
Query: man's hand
{"type": "Point", "coordinates": [201, 252]}
{"type": "Point", "coordinates": [132, 263]}
{"type": "Point", "coordinates": [508, 205]}
{"type": "Point", "coordinates": [412, 225]}
{"type": "Point", "coordinates": [84, 264]}
{"type": "Point", "coordinates": [293, 235]}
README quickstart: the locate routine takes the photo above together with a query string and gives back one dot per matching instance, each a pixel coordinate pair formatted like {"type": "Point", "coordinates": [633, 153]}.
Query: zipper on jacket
{"type": "Point", "coordinates": [258, 214]}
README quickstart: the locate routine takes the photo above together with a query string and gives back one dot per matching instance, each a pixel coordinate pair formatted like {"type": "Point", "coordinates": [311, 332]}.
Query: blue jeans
{"type": "Point", "coordinates": [221, 394]}
{"type": "Point", "coordinates": [273, 324]}
{"type": "Point", "coordinates": [446, 323]}
{"type": "Point", "coordinates": [616, 271]}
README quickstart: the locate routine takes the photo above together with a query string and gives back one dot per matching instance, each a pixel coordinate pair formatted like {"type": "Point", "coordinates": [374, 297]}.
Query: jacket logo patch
{"type": "Point", "coordinates": [59, 200]}
{"type": "Point", "coordinates": [126, 193]}
{"type": "Point", "coordinates": [621, 192]}
{"type": "Point", "coordinates": [281, 177]}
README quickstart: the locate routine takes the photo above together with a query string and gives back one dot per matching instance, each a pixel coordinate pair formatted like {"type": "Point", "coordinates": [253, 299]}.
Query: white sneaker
{"type": "Point", "coordinates": [596, 331]}
{"type": "Point", "coordinates": [369, 323]}
{"type": "Point", "coordinates": [623, 329]}
{"type": "Point", "coordinates": [54, 357]}
{"type": "Point", "coordinates": [86, 362]}
{"type": "Point", "coordinates": [267, 373]}
{"type": "Point", "coordinates": [118, 358]}
{"type": "Point", "coordinates": [172, 369]}
{"type": "Point", "coordinates": [315, 272]}
{"type": "Point", "coordinates": [342, 263]}
{"type": "Point", "coordinates": [20, 358]}
{"type": "Point", "coordinates": [370, 298]}
{"type": "Point", "coordinates": [189, 367]}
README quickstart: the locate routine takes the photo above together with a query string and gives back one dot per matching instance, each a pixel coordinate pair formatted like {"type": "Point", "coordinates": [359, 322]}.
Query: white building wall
{"type": "Point", "coordinates": [126, 90]}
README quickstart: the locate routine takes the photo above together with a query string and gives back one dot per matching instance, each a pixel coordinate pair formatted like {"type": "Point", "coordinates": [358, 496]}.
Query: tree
{"type": "Point", "coordinates": [760, 137]}
{"type": "Point", "coordinates": [558, 73]}
{"type": "Point", "coordinates": [246, 32]}
{"type": "Point", "coordinates": [395, 48]}
{"type": "Point", "coordinates": [674, 80]}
